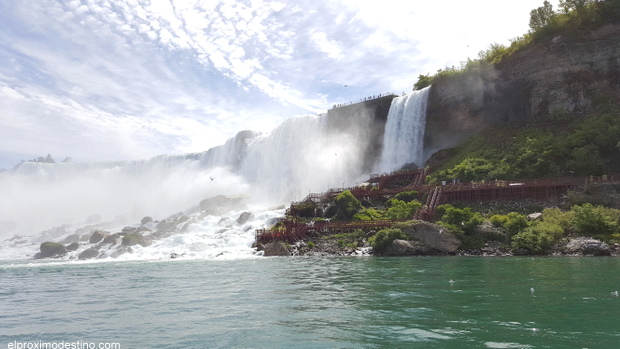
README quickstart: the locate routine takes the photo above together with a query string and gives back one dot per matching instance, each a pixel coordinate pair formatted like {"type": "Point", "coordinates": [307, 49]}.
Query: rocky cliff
{"type": "Point", "coordinates": [563, 76]}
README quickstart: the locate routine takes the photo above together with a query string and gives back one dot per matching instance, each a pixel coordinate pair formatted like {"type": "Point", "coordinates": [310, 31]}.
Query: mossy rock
{"type": "Point", "coordinates": [133, 239]}
{"type": "Point", "coordinates": [51, 249]}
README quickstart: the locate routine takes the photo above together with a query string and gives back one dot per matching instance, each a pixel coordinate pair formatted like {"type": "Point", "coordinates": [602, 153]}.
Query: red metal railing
{"type": "Point", "coordinates": [295, 230]}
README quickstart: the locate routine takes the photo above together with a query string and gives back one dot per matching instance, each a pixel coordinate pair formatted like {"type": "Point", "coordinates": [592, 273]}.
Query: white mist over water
{"type": "Point", "coordinates": [298, 157]}
{"type": "Point", "coordinates": [403, 140]}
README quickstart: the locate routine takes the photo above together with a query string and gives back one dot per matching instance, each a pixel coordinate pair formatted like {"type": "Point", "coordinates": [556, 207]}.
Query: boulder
{"type": "Point", "coordinates": [98, 236]}
{"type": "Point", "coordinates": [72, 238]}
{"type": "Point", "coordinates": [51, 249]}
{"type": "Point", "coordinates": [114, 239]}
{"type": "Point", "coordinates": [133, 239]}
{"type": "Point", "coordinates": [534, 216]}
{"type": "Point", "coordinates": [244, 217]}
{"type": "Point", "coordinates": [88, 254]}
{"type": "Point", "coordinates": [587, 246]}
{"type": "Point", "coordinates": [276, 249]}
{"type": "Point", "coordinates": [73, 246]}
{"type": "Point", "coordinates": [432, 235]}
{"type": "Point", "coordinates": [407, 248]}
{"type": "Point", "coordinates": [146, 220]}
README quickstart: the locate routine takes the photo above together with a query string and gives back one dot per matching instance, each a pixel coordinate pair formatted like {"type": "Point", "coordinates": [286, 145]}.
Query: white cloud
{"type": "Point", "coordinates": [153, 76]}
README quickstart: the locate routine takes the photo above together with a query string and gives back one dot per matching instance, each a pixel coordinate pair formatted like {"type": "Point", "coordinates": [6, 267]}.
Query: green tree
{"type": "Point", "coordinates": [348, 205]}
{"type": "Point", "coordinates": [407, 196]}
{"type": "Point", "coordinates": [537, 238]}
{"type": "Point", "coordinates": [595, 220]}
{"type": "Point", "coordinates": [540, 17]}
{"type": "Point", "coordinates": [369, 214]}
{"type": "Point", "coordinates": [573, 5]}
{"type": "Point", "coordinates": [402, 210]}
{"type": "Point", "coordinates": [384, 238]}
{"type": "Point", "coordinates": [423, 81]}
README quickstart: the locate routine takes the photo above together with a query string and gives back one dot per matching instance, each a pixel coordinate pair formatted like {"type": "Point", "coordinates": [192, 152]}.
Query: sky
{"type": "Point", "coordinates": [106, 80]}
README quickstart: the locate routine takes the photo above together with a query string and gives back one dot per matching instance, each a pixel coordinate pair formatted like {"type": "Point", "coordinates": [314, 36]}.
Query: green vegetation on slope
{"type": "Point", "coordinates": [578, 147]}
{"type": "Point", "coordinates": [574, 18]}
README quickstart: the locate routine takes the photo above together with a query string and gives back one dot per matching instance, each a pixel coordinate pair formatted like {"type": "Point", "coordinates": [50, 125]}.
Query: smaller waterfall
{"type": "Point", "coordinates": [403, 140]}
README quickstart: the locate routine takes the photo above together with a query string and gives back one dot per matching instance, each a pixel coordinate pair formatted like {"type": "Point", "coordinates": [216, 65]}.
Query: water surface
{"type": "Point", "coordinates": [316, 303]}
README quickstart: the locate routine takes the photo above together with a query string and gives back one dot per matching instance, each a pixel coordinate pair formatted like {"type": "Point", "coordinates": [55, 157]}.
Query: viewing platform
{"type": "Point", "coordinates": [387, 185]}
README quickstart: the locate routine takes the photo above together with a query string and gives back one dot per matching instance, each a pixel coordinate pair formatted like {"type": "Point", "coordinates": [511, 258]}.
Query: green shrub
{"type": "Point", "coordinates": [441, 210]}
{"type": "Point", "coordinates": [537, 238]}
{"type": "Point", "coordinates": [384, 238]}
{"type": "Point", "coordinates": [595, 220]}
{"type": "Point", "coordinates": [498, 220]}
{"type": "Point", "coordinates": [515, 223]}
{"type": "Point", "coordinates": [401, 210]}
{"type": "Point", "coordinates": [368, 214]}
{"type": "Point", "coordinates": [348, 205]}
{"type": "Point", "coordinates": [558, 217]}
{"type": "Point", "coordinates": [407, 196]}
{"type": "Point", "coordinates": [461, 219]}
{"type": "Point", "coordinates": [311, 244]}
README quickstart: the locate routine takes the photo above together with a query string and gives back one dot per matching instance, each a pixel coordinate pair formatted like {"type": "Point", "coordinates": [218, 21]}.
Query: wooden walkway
{"type": "Point", "coordinates": [386, 185]}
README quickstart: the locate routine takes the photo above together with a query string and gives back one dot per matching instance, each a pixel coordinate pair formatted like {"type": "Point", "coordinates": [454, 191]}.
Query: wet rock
{"type": "Point", "coordinates": [432, 235]}
{"type": "Point", "coordinates": [98, 236]}
{"type": "Point", "coordinates": [88, 254]}
{"type": "Point", "coordinates": [51, 249]}
{"type": "Point", "coordinates": [133, 239]}
{"type": "Point", "coordinates": [127, 230]}
{"type": "Point", "coordinates": [167, 225]}
{"type": "Point", "coordinates": [587, 247]}
{"type": "Point", "coordinates": [73, 246]}
{"type": "Point", "coordinates": [72, 238]}
{"type": "Point", "coordinates": [146, 220]}
{"type": "Point", "coordinates": [244, 217]}
{"type": "Point", "coordinates": [121, 250]}
{"type": "Point", "coordinates": [276, 249]}
{"type": "Point", "coordinates": [114, 239]}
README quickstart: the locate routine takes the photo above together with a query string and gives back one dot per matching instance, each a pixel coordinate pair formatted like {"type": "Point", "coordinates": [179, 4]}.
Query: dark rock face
{"type": "Point", "coordinates": [72, 247]}
{"type": "Point", "coordinates": [276, 249]}
{"type": "Point", "coordinates": [88, 254]}
{"type": "Point", "coordinates": [562, 76]}
{"type": "Point", "coordinates": [432, 235]}
{"type": "Point", "coordinates": [51, 249]}
{"type": "Point", "coordinates": [364, 120]}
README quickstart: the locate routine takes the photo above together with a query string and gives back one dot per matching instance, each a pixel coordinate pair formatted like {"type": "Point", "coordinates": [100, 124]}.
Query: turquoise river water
{"type": "Point", "coordinates": [314, 303]}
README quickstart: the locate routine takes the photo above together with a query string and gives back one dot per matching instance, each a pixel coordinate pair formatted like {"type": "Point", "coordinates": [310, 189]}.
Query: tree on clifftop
{"type": "Point", "coordinates": [541, 16]}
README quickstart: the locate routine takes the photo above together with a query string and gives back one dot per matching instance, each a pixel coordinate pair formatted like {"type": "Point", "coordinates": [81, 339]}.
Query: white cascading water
{"type": "Point", "coordinates": [49, 202]}
{"type": "Point", "coordinates": [403, 140]}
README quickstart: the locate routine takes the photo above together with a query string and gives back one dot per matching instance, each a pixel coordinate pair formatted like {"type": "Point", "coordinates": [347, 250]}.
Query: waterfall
{"type": "Point", "coordinates": [302, 155]}
{"type": "Point", "coordinates": [403, 140]}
